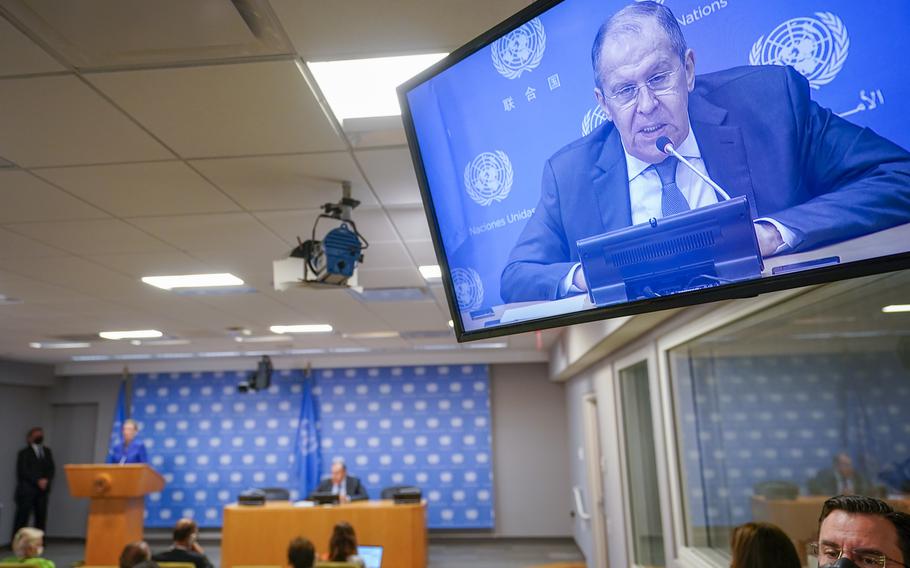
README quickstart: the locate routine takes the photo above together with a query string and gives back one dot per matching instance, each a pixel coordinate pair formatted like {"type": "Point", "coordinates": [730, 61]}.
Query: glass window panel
{"type": "Point", "coordinates": [641, 466]}
{"type": "Point", "coordinates": [782, 409]}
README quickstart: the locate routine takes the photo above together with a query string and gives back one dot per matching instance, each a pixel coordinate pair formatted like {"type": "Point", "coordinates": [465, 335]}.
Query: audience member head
{"type": "Point", "coordinates": [758, 545]}
{"type": "Point", "coordinates": [843, 464]}
{"type": "Point", "coordinates": [28, 543]}
{"type": "Point", "coordinates": [339, 471]}
{"type": "Point", "coordinates": [343, 543]}
{"type": "Point", "coordinates": [185, 532]}
{"type": "Point", "coordinates": [865, 530]}
{"type": "Point", "coordinates": [129, 430]}
{"type": "Point", "coordinates": [301, 553]}
{"type": "Point", "coordinates": [135, 553]}
{"type": "Point", "coordinates": [35, 435]}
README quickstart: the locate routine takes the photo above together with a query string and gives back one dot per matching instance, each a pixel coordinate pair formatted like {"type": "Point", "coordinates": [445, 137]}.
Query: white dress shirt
{"type": "Point", "coordinates": [646, 190]}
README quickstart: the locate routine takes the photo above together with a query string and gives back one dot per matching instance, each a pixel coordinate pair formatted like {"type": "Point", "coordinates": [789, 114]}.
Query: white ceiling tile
{"type": "Point", "coordinates": [411, 223]}
{"type": "Point", "coordinates": [144, 189]}
{"type": "Point", "coordinates": [386, 255]}
{"type": "Point", "coordinates": [152, 263]}
{"type": "Point", "coordinates": [408, 26]}
{"type": "Point", "coordinates": [13, 245]}
{"type": "Point", "coordinates": [26, 198]}
{"type": "Point", "coordinates": [34, 292]}
{"type": "Point", "coordinates": [423, 252]}
{"type": "Point", "coordinates": [258, 308]}
{"type": "Point", "coordinates": [20, 55]}
{"type": "Point", "coordinates": [76, 274]}
{"type": "Point", "coordinates": [56, 121]}
{"type": "Point", "coordinates": [91, 237]}
{"type": "Point", "coordinates": [300, 181]}
{"type": "Point", "coordinates": [410, 316]}
{"type": "Point", "coordinates": [389, 278]}
{"type": "Point", "coordinates": [391, 173]}
{"type": "Point", "coordinates": [236, 233]}
{"type": "Point", "coordinates": [225, 110]}
{"type": "Point", "coordinates": [373, 224]}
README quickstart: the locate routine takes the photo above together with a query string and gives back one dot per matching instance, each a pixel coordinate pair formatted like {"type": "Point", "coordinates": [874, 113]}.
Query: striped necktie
{"type": "Point", "coordinates": [672, 200]}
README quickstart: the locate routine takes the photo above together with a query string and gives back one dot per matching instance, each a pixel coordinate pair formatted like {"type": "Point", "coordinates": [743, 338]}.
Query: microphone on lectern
{"type": "Point", "coordinates": [665, 145]}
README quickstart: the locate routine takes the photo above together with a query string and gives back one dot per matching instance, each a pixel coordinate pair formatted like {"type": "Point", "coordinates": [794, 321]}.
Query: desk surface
{"type": "Point", "coordinates": [259, 535]}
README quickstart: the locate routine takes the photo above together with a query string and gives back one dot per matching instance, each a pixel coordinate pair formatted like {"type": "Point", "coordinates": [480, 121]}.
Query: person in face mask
{"type": "Point", "coordinates": [28, 546]}
{"type": "Point", "coordinates": [861, 531]}
{"type": "Point", "coordinates": [34, 474]}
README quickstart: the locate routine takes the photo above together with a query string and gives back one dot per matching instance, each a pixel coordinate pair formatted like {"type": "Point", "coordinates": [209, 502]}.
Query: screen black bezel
{"type": "Point", "coordinates": [746, 289]}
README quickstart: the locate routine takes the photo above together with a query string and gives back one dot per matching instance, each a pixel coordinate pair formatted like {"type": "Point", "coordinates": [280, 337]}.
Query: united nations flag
{"type": "Point", "coordinates": [816, 47]}
{"type": "Point", "coordinates": [468, 288]}
{"type": "Point", "coordinates": [519, 51]}
{"type": "Point", "coordinates": [488, 177]}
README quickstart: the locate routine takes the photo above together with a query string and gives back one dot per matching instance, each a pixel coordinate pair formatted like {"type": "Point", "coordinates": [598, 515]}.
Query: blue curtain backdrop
{"type": "Point", "coordinates": [425, 426]}
{"type": "Point", "coordinates": [487, 125]}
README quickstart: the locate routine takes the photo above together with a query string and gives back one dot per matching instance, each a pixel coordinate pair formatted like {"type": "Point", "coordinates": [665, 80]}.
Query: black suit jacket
{"type": "Point", "coordinates": [825, 483]}
{"type": "Point", "coordinates": [29, 469]}
{"type": "Point", "coordinates": [181, 555]}
{"type": "Point", "coordinates": [353, 488]}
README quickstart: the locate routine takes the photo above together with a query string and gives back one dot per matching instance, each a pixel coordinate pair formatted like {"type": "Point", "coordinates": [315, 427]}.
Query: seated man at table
{"type": "Point", "coordinates": [840, 479]}
{"type": "Point", "coordinates": [185, 548]}
{"type": "Point", "coordinates": [865, 530]}
{"type": "Point", "coordinates": [347, 487]}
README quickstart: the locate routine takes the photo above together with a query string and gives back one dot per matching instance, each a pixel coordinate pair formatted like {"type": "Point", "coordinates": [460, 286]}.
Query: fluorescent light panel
{"type": "Point", "coordinates": [262, 339]}
{"type": "Point", "coordinates": [59, 345]}
{"type": "Point", "coordinates": [896, 308]}
{"type": "Point", "coordinates": [302, 328]}
{"type": "Point", "coordinates": [372, 335]}
{"type": "Point", "coordinates": [361, 88]}
{"type": "Point", "coordinates": [193, 281]}
{"type": "Point", "coordinates": [134, 334]}
{"type": "Point", "coordinates": [430, 271]}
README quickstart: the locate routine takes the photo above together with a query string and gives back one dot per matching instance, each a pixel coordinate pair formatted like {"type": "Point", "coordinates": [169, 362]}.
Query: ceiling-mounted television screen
{"type": "Point", "coordinates": [593, 158]}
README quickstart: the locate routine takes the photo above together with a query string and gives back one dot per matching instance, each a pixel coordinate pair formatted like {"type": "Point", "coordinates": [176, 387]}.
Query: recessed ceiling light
{"type": "Point", "coordinates": [430, 271]}
{"type": "Point", "coordinates": [91, 357]}
{"type": "Point", "coordinates": [193, 281]}
{"type": "Point", "coordinates": [360, 88]}
{"type": "Point", "coordinates": [134, 334]}
{"type": "Point", "coordinates": [302, 328]}
{"type": "Point", "coordinates": [160, 342]}
{"type": "Point", "coordinates": [349, 350]}
{"type": "Point", "coordinates": [896, 308]}
{"type": "Point", "coordinates": [262, 339]}
{"type": "Point", "coordinates": [59, 345]}
{"type": "Point", "coordinates": [498, 345]}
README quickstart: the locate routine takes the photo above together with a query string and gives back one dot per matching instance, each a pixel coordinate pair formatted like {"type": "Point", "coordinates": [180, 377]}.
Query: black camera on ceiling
{"type": "Point", "coordinates": [260, 379]}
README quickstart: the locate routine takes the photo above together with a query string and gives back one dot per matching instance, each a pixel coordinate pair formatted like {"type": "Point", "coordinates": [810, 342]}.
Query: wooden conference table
{"type": "Point", "coordinates": [259, 535]}
{"type": "Point", "coordinates": [799, 517]}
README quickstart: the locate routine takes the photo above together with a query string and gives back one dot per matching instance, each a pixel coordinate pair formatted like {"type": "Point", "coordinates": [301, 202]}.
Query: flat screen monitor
{"type": "Point", "coordinates": [371, 555]}
{"type": "Point", "coordinates": [324, 498]}
{"type": "Point", "coordinates": [574, 160]}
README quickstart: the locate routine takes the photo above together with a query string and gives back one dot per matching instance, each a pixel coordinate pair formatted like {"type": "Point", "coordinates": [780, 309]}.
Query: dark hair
{"type": "Point", "coordinates": [134, 553]}
{"type": "Point", "coordinates": [301, 553]}
{"type": "Point", "coordinates": [862, 505]}
{"type": "Point", "coordinates": [343, 542]}
{"type": "Point", "coordinates": [757, 545]}
{"type": "Point", "coordinates": [183, 529]}
{"type": "Point", "coordinates": [32, 430]}
{"type": "Point", "coordinates": [627, 20]}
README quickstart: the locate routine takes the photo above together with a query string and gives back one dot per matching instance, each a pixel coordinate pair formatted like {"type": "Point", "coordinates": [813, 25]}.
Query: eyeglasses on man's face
{"type": "Point", "coordinates": [662, 83]}
{"type": "Point", "coordinates": [829, 554]}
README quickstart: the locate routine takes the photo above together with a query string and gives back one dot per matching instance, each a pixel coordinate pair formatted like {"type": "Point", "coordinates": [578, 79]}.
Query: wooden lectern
{"type": "Point", "coordinates": [117, 502]}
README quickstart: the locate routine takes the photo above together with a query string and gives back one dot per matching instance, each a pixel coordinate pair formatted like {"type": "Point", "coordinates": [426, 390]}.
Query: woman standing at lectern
{"type": "Point", "coordinates": [129, 450]}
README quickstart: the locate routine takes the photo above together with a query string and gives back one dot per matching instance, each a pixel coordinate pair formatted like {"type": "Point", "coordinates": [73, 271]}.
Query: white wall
{"type": "Point", "coordinates": [530, 455]}
{"type": "Point", "coordinates": [575, 392]}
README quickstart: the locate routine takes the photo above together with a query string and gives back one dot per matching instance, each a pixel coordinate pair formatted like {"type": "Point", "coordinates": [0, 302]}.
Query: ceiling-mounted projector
{"type": "Point", "coordinates": [330, 262]}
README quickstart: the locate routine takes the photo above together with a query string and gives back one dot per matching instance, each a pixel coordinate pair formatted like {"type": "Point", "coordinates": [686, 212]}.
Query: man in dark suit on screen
{"type": "Point", "coordinates": [811, 178]}
{"type": "Point", "coordinates": [34, 474]}
{"type": "Point", "coordinates": [347, 487]}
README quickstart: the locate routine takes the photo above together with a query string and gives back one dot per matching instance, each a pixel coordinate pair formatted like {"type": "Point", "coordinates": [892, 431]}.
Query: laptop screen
{"type": "Point", "coordinates": [372, 555]}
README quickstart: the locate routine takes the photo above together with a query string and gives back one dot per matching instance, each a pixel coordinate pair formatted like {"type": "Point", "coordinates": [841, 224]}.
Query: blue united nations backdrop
{"type": "Point", "coordinates": [487, 125]}
{"type": "Point", "coordinates": [424, 426]}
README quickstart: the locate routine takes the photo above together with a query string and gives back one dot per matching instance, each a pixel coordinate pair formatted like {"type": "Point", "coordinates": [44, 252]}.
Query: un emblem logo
{"type": "Point", "coordinates": [488, 177]}
{"type": "Point", "coordinates": [468, 288]}
{"type": "Point", "coordinates": [520, 50]}
{"type": "Point", "coordinates": [817, 48]}
{"type": "Point", "coordinates": [593, 118]}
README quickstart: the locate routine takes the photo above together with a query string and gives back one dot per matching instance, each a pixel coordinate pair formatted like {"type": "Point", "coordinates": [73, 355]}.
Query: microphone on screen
{"type": "Point", "coordinates": [665, 145]}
